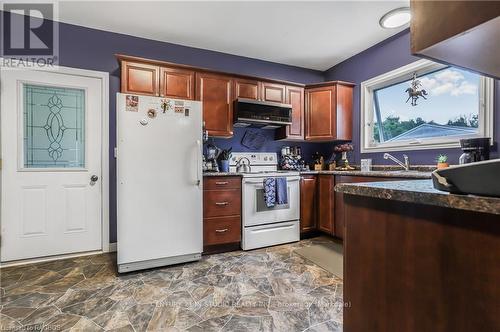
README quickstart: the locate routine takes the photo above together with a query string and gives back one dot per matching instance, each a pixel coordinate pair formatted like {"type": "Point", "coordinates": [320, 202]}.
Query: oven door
{"type": "Point", "coordinates": [255, 210]}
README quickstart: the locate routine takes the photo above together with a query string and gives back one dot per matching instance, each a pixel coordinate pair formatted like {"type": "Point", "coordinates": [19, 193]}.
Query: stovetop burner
{"type": "Point", "coordinates": [262, 164]}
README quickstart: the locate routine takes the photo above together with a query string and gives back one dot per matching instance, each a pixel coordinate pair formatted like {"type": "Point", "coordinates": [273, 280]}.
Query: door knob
{"type": "Point", "coordinates": [94, 178]}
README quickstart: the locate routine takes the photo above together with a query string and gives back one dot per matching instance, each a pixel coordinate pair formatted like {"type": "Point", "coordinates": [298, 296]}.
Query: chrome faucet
{"type": "Point", "coordinates": [405, 165]}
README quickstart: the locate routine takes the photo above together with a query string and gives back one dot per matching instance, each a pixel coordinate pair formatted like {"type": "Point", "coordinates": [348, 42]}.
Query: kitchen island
{"type": "Point", "coordinates": [417, 259]}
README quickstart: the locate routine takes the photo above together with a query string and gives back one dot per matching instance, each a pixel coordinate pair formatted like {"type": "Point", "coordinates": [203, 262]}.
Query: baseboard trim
{"type": "Point", "coordinates": [49, 258]}
{"type": "Point", "coordinates": [111, 248]}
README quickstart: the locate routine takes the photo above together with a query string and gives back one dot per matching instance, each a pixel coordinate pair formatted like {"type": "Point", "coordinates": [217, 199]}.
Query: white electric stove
{"type": "Point", "coordinates": [264, 226]}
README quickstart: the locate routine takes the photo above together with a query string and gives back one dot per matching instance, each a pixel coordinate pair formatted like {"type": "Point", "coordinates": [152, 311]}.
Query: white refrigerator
{"type": "Point", "coordinates": [159, 181]}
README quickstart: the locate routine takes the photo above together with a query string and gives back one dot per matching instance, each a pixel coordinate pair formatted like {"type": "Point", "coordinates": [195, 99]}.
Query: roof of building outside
{"type": "Point", "coordinates": [428, 130]}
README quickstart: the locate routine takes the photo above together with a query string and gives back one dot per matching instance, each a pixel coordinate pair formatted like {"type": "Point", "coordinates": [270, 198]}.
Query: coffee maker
{"type": "Point", "coordinates": [475, 149]}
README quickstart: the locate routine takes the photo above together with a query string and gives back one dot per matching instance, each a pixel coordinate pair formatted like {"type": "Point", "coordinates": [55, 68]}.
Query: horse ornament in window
{"type": "Point", "coordinates": [414, 91]}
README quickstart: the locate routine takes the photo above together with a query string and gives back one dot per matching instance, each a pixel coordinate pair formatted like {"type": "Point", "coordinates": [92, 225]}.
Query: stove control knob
{"type": "Point", "coordinates": [271, 158]}
{"type": "Point", "coordinates": [265, 158]}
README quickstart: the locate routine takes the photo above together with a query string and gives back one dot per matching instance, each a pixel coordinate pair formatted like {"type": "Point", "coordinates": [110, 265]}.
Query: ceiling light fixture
{"type": "Point", "coordinates": [395, 18]}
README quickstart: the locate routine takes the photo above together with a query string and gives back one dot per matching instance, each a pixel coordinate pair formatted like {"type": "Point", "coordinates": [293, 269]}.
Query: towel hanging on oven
{"type": "Point", "coordinates": [275, 191]}
{"type": "Point", "coordinates": [281, 191]}
{"type": "Point", "coordinates": [270, 192]}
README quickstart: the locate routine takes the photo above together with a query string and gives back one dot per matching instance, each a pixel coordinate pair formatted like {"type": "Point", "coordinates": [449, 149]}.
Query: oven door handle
{"type": "Point", "coordinates": [288, 180]}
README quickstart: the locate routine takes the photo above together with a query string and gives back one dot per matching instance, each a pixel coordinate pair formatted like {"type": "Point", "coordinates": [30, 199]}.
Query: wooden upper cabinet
{"type": "Point", "coordinates": [328, 113]}
{"type": "Point", "coordinates": [295, 131]}
{"type": "Point", "coordinates": [320, 113]}
{"type": "Point", "coordinates": [308, 197]}
{"type": "Point", "coordinates": [216, 94]}
{"type": "Point", "coordinates": [326, 203]}
{"type": "Point", "coordinates": [140, 78]}
{"type": "Point", "coordinates": [462, 33]}
{"type": "Point", "coordinates": [244, 88]}
{"type": "Point", "coordinates": [176, 83]}
{"type": "Point", "coordinates": [344, 112]}
{"type": "Point", "coordinates": [273, 92]}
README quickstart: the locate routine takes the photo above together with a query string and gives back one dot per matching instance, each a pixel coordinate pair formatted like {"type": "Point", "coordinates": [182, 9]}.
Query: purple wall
{"type": "Point", "coordinates": [390, 54]}
{"type": "Point", "coordinates": [93, 49]}
{"type": "Point", "coordinates": [326, 149]}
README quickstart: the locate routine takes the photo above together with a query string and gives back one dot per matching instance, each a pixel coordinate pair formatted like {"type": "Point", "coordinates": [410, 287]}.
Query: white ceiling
{"type": "Point", "coordinates": [314, 35]}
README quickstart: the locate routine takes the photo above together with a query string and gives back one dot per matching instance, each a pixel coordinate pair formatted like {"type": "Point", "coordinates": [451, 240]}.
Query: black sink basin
{"type": "Point", "coordinates": [480, 178]}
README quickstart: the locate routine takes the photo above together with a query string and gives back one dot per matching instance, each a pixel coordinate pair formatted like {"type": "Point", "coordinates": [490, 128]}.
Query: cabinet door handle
{"type": "Point", "coordinates": [221, 203]}
{"type": "Point", "coordinates": [221, 230]}
{"type": "Point", "coordinates": [221, 183]}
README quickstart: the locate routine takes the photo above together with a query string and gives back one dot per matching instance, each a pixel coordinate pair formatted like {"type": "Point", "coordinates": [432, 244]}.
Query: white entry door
{"type": "Point", "coordinates": [51, 156]}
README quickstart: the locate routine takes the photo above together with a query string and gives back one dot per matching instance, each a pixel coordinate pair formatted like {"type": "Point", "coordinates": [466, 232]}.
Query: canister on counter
{"type": "Point", "coordinates": [366, 165]}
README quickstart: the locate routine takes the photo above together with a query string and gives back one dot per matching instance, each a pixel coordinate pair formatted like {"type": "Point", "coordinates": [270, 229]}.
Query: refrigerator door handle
{"type": "Point", "coordinates": [198, 164]}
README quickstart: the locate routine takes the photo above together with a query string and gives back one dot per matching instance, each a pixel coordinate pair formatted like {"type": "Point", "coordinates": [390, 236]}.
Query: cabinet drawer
{"type": "Point", "coordinates": [221, 230]}
{"type": "Point", "coordinates": [218, 203]}
{"type": "Point", "coordinates": [223, 182]}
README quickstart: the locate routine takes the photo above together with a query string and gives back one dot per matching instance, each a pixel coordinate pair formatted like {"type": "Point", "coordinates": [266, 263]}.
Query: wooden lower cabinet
{"type": "Point", "coordinates": [326, 197]}
{"type": "Point", "coordinates": [218, 203]}
{"type": "Point", "coordinates": [221, 213]}
{"type": "Point", "coordinates": [414, 267]}
{"type": "Point", "coordinates": [339, 223]}
{"type": "Point", "coordinates": [222, 183]}
{"type": "Point", "coordinates": [221, 230]}
{"type": "Point", "coordinates": [321, 208]}
{"type": "Point", "coordinates": [308, 203]}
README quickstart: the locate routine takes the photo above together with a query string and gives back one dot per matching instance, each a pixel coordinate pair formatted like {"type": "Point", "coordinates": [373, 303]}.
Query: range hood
{"type": "Point", "coordinates": [267, 115]}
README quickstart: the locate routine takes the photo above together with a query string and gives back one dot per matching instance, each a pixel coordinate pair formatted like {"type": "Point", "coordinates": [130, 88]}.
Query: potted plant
{"type": "Point", "coordinates": [224, 157]}
{"type": "Point", "coordinates": [442, 161]}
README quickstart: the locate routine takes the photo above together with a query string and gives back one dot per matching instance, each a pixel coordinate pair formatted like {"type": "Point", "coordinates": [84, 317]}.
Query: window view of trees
{"type": "Point", "coordinates": [393, 126]}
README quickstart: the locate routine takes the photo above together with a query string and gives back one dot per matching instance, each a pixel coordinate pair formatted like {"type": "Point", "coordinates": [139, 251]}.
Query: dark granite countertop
{"type": "Point", "coordinates": [421, 192]}
{"type": "Point", "coordinates": [389, 174]}
{"type": "Point", "coordinates": [221, 174]}
{"type": "Point", "coordinates": [419, 172]}
{"type": "Point", "coordinates": [411, 174]}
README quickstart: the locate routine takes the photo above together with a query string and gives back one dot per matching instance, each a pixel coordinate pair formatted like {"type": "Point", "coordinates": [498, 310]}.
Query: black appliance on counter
{"type": "Point", "coordinates": [475, 149]}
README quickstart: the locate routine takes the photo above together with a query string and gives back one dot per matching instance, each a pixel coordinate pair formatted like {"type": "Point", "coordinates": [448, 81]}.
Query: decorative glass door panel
{"type": "Point", "coordinates": [53, 127]}
{"type": "Point", "coordinates": [52, 181]}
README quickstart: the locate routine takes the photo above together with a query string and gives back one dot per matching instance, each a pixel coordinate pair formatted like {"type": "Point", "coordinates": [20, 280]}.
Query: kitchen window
{"type": "Point", "coordinates": [458, 104]}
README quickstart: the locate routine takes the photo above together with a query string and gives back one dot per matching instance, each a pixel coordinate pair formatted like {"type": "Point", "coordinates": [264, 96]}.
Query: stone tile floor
{"type": "Point", "coordinates": [270, 289]}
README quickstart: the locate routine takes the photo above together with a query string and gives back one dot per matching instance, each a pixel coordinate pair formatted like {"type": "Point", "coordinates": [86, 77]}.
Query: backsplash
{"type": "Point", "coordinates": [270, 145]}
